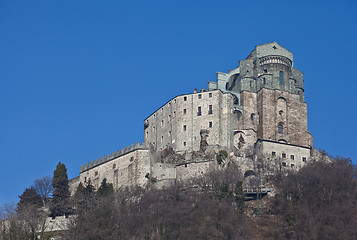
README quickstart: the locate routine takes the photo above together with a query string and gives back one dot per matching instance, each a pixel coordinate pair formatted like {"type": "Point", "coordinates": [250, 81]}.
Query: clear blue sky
{"type": "Point", "coordinates": [79, 77]}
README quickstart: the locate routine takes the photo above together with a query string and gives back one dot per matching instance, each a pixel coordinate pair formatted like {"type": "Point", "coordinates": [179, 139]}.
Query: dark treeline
{"type": "Point", "coordinates": [317, 202]}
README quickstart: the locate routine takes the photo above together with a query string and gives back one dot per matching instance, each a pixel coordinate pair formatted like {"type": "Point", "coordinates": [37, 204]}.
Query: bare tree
{"type": "Point", "coordinates": [44, 188]}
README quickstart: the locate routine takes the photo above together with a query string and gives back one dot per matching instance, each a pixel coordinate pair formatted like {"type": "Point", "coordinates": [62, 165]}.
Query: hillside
{"type": "Point", "coordinates": [317, 202]}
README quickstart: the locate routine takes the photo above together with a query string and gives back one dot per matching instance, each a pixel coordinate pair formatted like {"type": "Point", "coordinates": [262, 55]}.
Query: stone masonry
{"type": "Point", "coordinates": [255, 113]}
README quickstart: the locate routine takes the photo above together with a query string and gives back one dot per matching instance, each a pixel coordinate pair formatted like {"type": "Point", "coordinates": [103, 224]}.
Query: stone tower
{"type": "Point", "coordinates": [270, 95]}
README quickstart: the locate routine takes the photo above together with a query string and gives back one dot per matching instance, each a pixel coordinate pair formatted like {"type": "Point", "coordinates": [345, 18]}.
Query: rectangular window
{"type": "Point", "coordinates": [283, 164]}
{"type": "Point", "coordinates": [185, 98]}
{"type": "Point", "coordinates": [292, 166]}
{"type": "Point", "coordinates": [273, 153]}
{"type": "Point", "coordinates": [199, 96]}
{"type": "Point", "coordinates": [304, 159]}
{"type": "Point", "coordinates": [283, 155]}
{"type": "Point", "coordinates": [199, 111]}
{"type": "Point", "coordinates": [162, 138]}
{"type": "Point", "coordinates": [281, 77]}
{"type": "Point", "coordinates": [184, 111]}
{"type": "Point", "coordinates": [210, 109]}
{"type": "Point", "coordinates": [210, 95]}
{"type": "Point", "coordinates": [210, 124]}
{"type": "Point", "coordinates": [292, 157]}
{"type": "Point", "coordinates": [169, 133]}
{"type": "Point", "coordinates": [184, 127]}
{"type": "Point", "coordinates": [184, 143]}
{"type": "Point", "coordinates": [147, 134]}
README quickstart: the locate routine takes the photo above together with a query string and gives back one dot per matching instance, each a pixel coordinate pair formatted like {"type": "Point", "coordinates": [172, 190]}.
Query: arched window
{"type": "Point", "coordinates": [280, 128]}
{"type": "Point", "coordinates": [281, 77]}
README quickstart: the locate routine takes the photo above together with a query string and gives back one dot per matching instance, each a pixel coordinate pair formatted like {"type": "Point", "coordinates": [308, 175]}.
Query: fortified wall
{"type": "Point", "coordinates": [254, 115]}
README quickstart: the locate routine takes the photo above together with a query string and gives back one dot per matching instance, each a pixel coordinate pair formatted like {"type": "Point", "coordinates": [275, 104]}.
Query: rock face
{"type": "Point", "coordinates": [256, 113]}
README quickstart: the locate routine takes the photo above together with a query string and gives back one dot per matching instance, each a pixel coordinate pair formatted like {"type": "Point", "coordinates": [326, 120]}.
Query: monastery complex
{"type": "Point", "coordinates": [254, 115]}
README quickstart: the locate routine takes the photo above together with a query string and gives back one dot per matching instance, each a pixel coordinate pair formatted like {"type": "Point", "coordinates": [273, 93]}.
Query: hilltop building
{"type": "Point", "coordinates": [254, 115]}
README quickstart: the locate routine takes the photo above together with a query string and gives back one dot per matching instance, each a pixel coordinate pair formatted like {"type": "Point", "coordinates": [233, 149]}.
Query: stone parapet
{"type": "Point", "coordinates": [111, 156]}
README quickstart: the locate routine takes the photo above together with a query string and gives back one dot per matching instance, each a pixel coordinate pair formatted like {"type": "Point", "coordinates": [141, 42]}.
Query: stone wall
{"type": "Point", "coordinates": [179, 122]}
{"type": "Point", "coordinates": [187, 171]}
{"type": "Point", "coordinates": [126, 170]}
{"type": "Point", "coordinates": [290, 156]}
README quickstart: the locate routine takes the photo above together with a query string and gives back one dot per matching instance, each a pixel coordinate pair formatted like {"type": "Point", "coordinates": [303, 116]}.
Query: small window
{"type": "Point", "coordinates": [292, 166]}
{"type": "Point", "coordinates": [153, 128]}
{"type": "Point", "coordinates": [185, 98]}
{"type": "Point", "coordinates": [114, 165]}
{"type": "Point", "coordinates": [96, 173]}
{"type": "Point", "coordinates": [210, 111]}
{"type": "Point", "coordinates": [184, 143]}
{"type": "Point", "coordinates": [147, 134]}
{"type": "Point", "coordinates": [169, 117]}
{"type": "Point", "coordinates": [283, 164]}
{"type": "Point", "coordinates": [85, 179]}
{"type": "Point", "coordinates": [184, 111]}
{"type": "Point", "coordinates": [210, 124]}
{"type": "Point", "coordinates": [252, 118]}
{"type": "Point", "coordinates": [162, 138]}
{"type": "Point", "coordinates": [174, 114]}
{"type": "Point", "coordinates": [199, 111]}
{"type": "Point", "coordinates": [280, 128]}
{"type": "Point", "coordinates": [283, 155]}
{"type": "Point", "coordinates": [175, 101]}
{"type": "Point", "coordinates": [273, 153]}
{"type": "Point", "coordinates": [210, 95]}
{"type": "Point", "coordinates": [162, 123]}
{"type": "Point", "coordinates": [264, 81]}
{"type": "Point", "coordinates": [303, 159]}
{"type": "Point", "coordinates": [184, 127]}
{"type": "Point", "coordinates": [292, 157]}
{"type": "Point", "coordinates": [281, 112]}
{"type": "Point", "coordinates": [281, 77]}
{"type": "Point", "coordinates": [131, 159]}
{"type": "Point", "coordinates": [251, 84]}
{"type": "Point", "coordinates": [169, 133]}
{"type": "Point", "coordinates": [162, 109]}
{"type": "Point", "coordinates": [199, 96]}
{"type": "Point", "coordinates": [265, 70]}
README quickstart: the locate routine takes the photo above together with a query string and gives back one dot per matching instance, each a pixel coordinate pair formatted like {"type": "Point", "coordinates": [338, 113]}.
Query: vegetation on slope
{"type": "Point", "coordinates": [317, 202]}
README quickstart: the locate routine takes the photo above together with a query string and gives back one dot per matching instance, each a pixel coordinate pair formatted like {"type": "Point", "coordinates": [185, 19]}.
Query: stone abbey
{"type": "Point", "coordinates": [254, 115]}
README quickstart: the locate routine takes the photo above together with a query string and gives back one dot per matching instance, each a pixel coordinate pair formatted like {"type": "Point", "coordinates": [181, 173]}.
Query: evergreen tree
{"type": "Point", "coordinates": [28, 199]}
{"type": "Point", "coordinates": [80, 191]}
{"type": "Point", "coordinates": [239, 195]}
{"type": "Point", "coordinates": [84, 196]}
{"type": "Point", "coordinates": [105, 188]}
{"type": "Point", "coordinates": [61, 193]}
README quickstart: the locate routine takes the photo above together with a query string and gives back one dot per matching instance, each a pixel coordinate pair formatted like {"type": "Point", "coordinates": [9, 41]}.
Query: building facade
{"type": "Point", "coordinates": [253, 113]}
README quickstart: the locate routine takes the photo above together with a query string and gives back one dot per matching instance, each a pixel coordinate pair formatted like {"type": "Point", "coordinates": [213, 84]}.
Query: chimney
{"type": "Point", "coordinates": [195, 90]}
